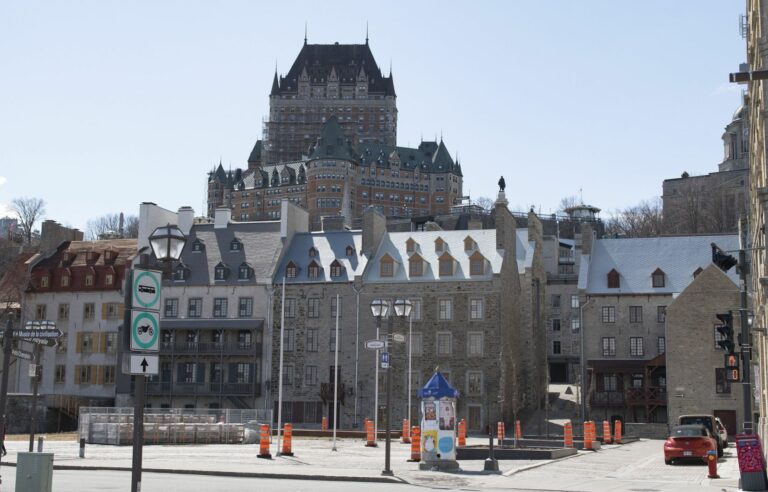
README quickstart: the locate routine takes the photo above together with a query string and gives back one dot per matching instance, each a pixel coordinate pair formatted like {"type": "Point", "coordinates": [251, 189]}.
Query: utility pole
{"type": "Point", "coordinates": [7, 345]}
{"type": "Point", "coordinates": [746, 358]}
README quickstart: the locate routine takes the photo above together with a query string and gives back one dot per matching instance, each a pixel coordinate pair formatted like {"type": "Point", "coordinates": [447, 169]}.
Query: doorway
{"type": "Point", "coordinates": [728, 418]}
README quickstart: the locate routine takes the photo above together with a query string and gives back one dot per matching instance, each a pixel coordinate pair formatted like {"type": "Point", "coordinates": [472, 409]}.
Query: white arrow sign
{"type": "Point", "coordinates": [145, 364]}
{"type": "Point", "coordinates": [375, 344]}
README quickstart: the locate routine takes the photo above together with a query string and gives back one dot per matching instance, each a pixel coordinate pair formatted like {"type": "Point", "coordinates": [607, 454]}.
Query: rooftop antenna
{"type": "Point", "coordinates": [366, 32]}
{"type": "Point", "coordinates": [305, 32]}
{"type": "Point", "coordinates": [581, 196]}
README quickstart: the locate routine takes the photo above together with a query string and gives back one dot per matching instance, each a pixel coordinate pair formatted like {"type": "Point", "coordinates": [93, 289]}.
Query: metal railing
{"type": "Point", "coordinates": [204, 388]}
{"type": "Point", "coordinates": [230, 348]}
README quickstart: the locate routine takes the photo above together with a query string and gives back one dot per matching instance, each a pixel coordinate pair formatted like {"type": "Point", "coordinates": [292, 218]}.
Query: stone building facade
{"type": "Point", "coordinates": [696, 379]}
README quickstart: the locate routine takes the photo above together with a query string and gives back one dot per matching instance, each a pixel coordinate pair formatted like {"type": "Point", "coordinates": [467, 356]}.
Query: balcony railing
{"type": "Point", "coordinates": [607, 398]}
{"type": "Point", "coordinates": [207, 388]}
{"type": "Point", "coordinates": [650, 394]}
{"type": "Point", "coordinates": [211, 348]}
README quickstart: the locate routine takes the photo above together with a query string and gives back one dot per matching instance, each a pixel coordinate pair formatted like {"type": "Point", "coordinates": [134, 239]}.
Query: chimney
{"type": "Point", "coordinates": [585, 240]}
{"type": "Point", "coordinates": [222, 217]}
{"type": "Point", "coordinates": [374, 227]}
{"type": "Point", "coordinates": [293, 219]}
{"type": "Point", "coordinates": [332, 223]}
{"type": "Point", "coordinates": [186, 218]}
{"type": "Point", "coordinates": [506, 228]}
{"type": "Point", "coordinates": [535, 228]}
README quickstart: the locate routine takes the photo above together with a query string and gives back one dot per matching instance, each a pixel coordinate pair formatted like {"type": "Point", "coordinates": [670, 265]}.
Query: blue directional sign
{"type": "Point", "coordinates": [385, 360]}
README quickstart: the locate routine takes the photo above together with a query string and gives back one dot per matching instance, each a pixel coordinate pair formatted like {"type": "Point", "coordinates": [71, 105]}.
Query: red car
{"type": "Point", "coordinates": [688, 442]}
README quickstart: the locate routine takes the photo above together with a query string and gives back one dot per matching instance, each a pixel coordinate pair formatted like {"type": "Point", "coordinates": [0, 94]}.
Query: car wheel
{"type": "Point", "coordinates": [668, 462]}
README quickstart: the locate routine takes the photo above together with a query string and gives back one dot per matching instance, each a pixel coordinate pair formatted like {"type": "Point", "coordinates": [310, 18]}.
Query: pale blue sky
{"type": "Point", "coordinates": [105, 104]}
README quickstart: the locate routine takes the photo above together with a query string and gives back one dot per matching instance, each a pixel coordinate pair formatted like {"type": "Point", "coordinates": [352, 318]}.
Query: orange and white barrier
{"type": "Point", "coordinates": [370, 434]}
{"type": "Point", "coordinates": [518, 430]}
{"type": "Point", "coordinates": [568, 435]}
{"type": "Point", "coordinates": [588, 435]}
{"type": "Point", "coordinates": [617, 432]}
{"type": "Point", "coordinates": [607, 432]}
{"type": "Point", "coordinates": [264, 442]}
{"type": "Point", "coordinates": [287, 438]}
{"type": "Point", "coordinates": [462, 432]}
{"type": "Point", "coordinates": [415, 444]}
{"type": "Point", "coordinates": [406, 437]}
{"type": "Point", "coordinates": [500, 432]}
{"type": "Point", "coordinates": [324, 424]}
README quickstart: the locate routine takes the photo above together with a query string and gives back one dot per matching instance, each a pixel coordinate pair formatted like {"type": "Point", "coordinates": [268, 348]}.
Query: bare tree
{"type": "Point", "coordinates": [567, 202]}
{"type": "Point", "coordinates": [29, 211]}
{"type": "Point", "coordinates": [109, 226]}
{"type": "Point", "coordinates": [642, 220]}
{"type": "Point", "coordinates": [485, 203]}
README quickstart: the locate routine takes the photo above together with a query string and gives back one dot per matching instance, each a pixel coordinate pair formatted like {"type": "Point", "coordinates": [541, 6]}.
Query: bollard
{"type": "Point", "coordinates": [370, 436]}
{"type": "Point", "coordinates": [587, 436]}
{"type": "Point", "coordinates": [415, 444]}
{"type": "Point", "coordinates": [617, 432]}
{"type": "Point", "coordinates": [568, 434]}
{"type": "Point", "coordinates": [264, 443]}
{"type": "Point", "coordinates": [406, 437]}
{"type": "Point", "coordinates": [462, 432]}
{"type": "Point", "coordinates": [518, 431]}
{"type": "Point", "coordinates": [712, 464]}
{"type": "Point", "coordinates": [287, 438]}
{"type": "Point", "coordinates": [324, 424]}
{"type": "Point", "coordinates": [606, 432]}
{"type": "Point", "coordinates": [82, 447]}
{"type": "Point", "coordinates": [500, 432]}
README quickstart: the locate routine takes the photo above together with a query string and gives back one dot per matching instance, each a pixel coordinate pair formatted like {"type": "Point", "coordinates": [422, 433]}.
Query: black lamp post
{"type": "Point", "coordinates": [379, 309]}
{"type": "Point", "coordinates": [167, 243]}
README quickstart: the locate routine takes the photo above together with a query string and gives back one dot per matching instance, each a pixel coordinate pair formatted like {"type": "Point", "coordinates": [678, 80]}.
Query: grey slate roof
{"type": "Point", "coordinates": [429, 157]}
{"type": "Point", "coordinates": [261, 246]}
{"type": "Point", "coordinates": [637, 258]}
{"type": "Point", "coordinates": [330, 246]}
{"type": "Point", "coordinates": [332, 143]}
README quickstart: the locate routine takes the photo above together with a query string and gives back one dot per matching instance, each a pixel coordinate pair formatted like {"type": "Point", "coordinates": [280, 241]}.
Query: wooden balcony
{"type": "Point", "coordinates": [607, 399]}
{"type": "Point", "coordinates": [650, 395]}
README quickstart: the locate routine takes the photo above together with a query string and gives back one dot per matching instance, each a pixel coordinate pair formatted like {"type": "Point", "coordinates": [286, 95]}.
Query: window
{"type": "Point", "coordinates": [235, 245]}
{"type": "Point", "coordinates": [108, 279]}
{"type": "Point", "coordinates": [86, 342]}
{"type": "Point", "coordinates": [244, 339]}
{"type": "Point", "coordinates": [110, 342]}
{"type": "Point", "coordinates": [89, 280]}
{"type": "Point", "coordinates": [350, 251]}
{"type": "Point", "coordinates": [245, 307]}
{"type": "Point", "coordinates": [220, 272]}
{"type": "Point", "coordinates": [112, 310]}
{"type": "Point", "coordinates": [661, 314]}
{"type": "Point", "coordinates": [575, 324]}
{"type": "Point", "coordinates": [89, 311]}
{"type": "Point", "coordinates": [416, 346]}
{"type": "Point", "coordinates": [65, 280]}
{"type": "Point", "coordinates": [61, 374]}
{"type": "Point", "coordinates": [415, 266]}
{"type": "Point", "coordinates": [555, 300]}
{"type": "Point", "coordinates": [197, 246]}
{"type": "Point", "coordinates": [386, 267]}
{"type": "Point", "coordinates": [657, 278]}
{"type": "Point", "coordinates": [287, 375]}
{"type": "Point", "coordinates": [574, 302]}
{"type": "Point", "coordinates": [556, 347]}
{"type": "Point", "coordinates": [291, 270]}
{"type": "Point", "coordinates": [312, 252]}
{"type": "Point", "coordinates": [446, 265]}
{"type": "Point", "coordinates": [445, 309]}
{"type": "Point", "coordinates": [469, 244]}
{"type": "Point", "coordinates": [722, 385]}
{"type": "Point", "coordinates": [63, 312]}
{"type": "Point", "coordinates": [312, 339]}
{"type": "Point", "coordinates": [439, 245]}
{"type": "Point", "coordinates": [444, 342]}
{"type": "Point", "coordinates": [220, 307]}
{"type": "Point", "coordinates": [195, 308]}
{"type": "Point", "coordinates": [610, 382]}
{"type": "Point", "coordinates": [555, 324]}
{"type": "Point", "coordinates": [171, 308]}
{"type": "Point", "coordinates": [310, 375]}
{"type": "Point", "coordinates": [609, 314]}
{"type": "Point", "coordinates": [289, 340]}
{"type": "Point", "coordinates": [83, 375]}
{"type": "Point", "coordinates": [314, 270]}
{"type": "Point", "coordinates": [474, 382]}
{"type": "Point", "coordinates": [244, 272]}
{"type": "Point", "coordinates": [335, 308]}
{"type": "Point", "coordinates": [180, 273]}
{"type": "Point", "coordinates": [290, 308]}
{"type": "Point", "coordinates": [410, 246]}
{"type": "Point", "coordinates": [332, 339]}
{"type": "Point", "coordinates": [44, 281]}
{"type": "Point", "coordinates": [61, 348]}
{"type": "Point", "coordinates": [40, 311]}
{"type": "Point", "coordinates": [109, 374]}
{"type": "Point", "coordinates": [476, 264]}
{"type": "Point", "coordinates": [475, 344]}
{"type": "Point", "coordinates": [635, 314]}
{"type": "Point", "coordinates": [476, 309]}
{"type": "Point", "coordinates": [416, 309]}
{"type": "Point", "coordinates": [336, 269]}
{"type": "Point", "coordinates": [661, 345]}
{"type": "Point", "coordinates": [313, 307]}
{"type": "Point", "coordinates": [609, 346]}
{"type": "Point", "coordinates": [636, 346]}
{"type": "Point", "coordinates": [613, 279]}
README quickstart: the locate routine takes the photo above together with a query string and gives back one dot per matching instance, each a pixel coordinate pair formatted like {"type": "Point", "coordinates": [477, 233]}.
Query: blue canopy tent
{"type": "Point", "coordinates": [438, 387]}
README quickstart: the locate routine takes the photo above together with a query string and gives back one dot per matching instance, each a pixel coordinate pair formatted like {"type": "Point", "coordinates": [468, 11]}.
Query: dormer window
{"type": "Point", "coordinates": [180, 273]}
{"type": "Point", "coordinates": [44, 280]}
{"type": "Point", "coordinates": [477, 264]}
{"type": "Point", "coordinates": [108, 256]}
{"type": "Point", "coordinates": [350, 251]}
{"type": "Point", "coordinates": [386, 266]}
{"type": "Point", "coordinates": [197, 246]}
{"type": "Point", "coordinates": [469, 244]}
{"type": "Point", "coordinates": [446, 265]}
{"type": "Point", "coordinates": [109, 279]}
{"type": "Point", "coordinates": [439, 245]}
{"type": "Point", "coordinates": [235, 245]}
{"type": "Point", "coordinates": [415, 266]}
{"type": "Point", "coordinates": [613, 279]}
{"type": "Point", "coordinates": [65, 280]}
{"type": "Point", "coordinates": [657, 278]}
{"type": "Point", "coordinates": [220, 272]}
{"type": "Point", "coordinates": [290, 270]}
{"type": "Point", "coordinates": [312, 252]}
{"type": "Point", "coordinates": [313, 271]}
{"type": "Point", "coordinates": [697, 272]}
{"type": "Point", "coordinates": [244, 272]}
{"type": "Point", "coordinates": [336, 269]}
{"type": "Point", "coordinates": [410, 245]}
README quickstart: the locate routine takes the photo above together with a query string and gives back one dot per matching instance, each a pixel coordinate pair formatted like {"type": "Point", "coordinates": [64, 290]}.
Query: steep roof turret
{"type": "Point", "coordinates": [332, 143]}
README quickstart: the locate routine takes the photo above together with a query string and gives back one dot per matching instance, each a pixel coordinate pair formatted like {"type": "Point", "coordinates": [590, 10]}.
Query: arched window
{"type": "Point", "coordinates": [613, 279]}
{"type": "Point", "coordinates": [336, 269]}
{"type": "Point", "coordinates": [387, 266]}
{"type": "Point", "coordinates": [290, 270]}
{"type": "Point", "coordinates": [313, 271]}
{"type": "Point", "coordinates": [235, 245]}
{"type": "Point", "coordinates": [477, 264]}
{"type": "Point", "coordinates": [446, 265]}
{"type": "Point", "coordinates": [220, 272]}
{"type": "Point", "coordinates": [244, 272]}
{"type": "Point", "coordinates": [415, 266]}
{"type": "Point", "coordinates": [657, 278]}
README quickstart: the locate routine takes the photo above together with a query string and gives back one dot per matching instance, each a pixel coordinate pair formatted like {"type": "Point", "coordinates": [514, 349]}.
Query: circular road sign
{"type": "Point", "coordinates": [145, 330]}
{"type": "Point", "coordinates": [146, 289]}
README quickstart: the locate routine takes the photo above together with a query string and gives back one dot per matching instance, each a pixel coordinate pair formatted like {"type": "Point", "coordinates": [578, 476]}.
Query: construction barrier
{"type": "Point", "coordinates": [568, 434]}
{"type": "Point", "coordinates": [415, 444]}
{"type": "Point", "coordinates": [370, 434]}
{"type": "Point", "coordinates": [607, 432]}
{"type": "Point", "coordinates": [500, 433]}
{"type": "Point", "coordinates": [462, 432]}
{"type": "Point", "coordinates": [518, 430]}
{"type": "Point", "coordinates": [617, 432]}
{"type": "Point", "coordinates": [324, 424]}
{"type": "Point", "coordinates": [287, 438]}
{"type": "Point", "coordinates": [406, 437]}
{"type": "Point", "coordinates": [588, 435]}
{"type": "Point", "coordinates": [264, 442]}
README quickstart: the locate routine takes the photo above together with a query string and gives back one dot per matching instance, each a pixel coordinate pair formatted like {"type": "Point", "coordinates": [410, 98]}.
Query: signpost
{"type": "Point", "coordinates": [22, 354]}
{"type": "Point", "coordinates": [375, 344]}
{"type": "Point", "coordinates": [144, 364]}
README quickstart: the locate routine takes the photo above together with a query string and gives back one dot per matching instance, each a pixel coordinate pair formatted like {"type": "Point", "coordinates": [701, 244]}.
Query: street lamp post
{"type": "Point", "coordinates": [402, 309]}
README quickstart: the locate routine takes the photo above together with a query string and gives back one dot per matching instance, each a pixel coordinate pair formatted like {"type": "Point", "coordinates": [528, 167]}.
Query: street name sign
{"type": "Point", "coordinates": [37, 333]}
{"type": "Point", "coordinates": [22, 354]}
{"type": "Point", "coordinates": [375, 344]}
{"type": "Point", "coordinates": [49, 342]}
{"type": "Point", "coordinates": [146, 290]}
{"type": "Point", "coordinates": [398, 337]}
{"type": "Point", "coordinates": [144, 364]}
{"type": "Point", "coordinates": [145, 331]}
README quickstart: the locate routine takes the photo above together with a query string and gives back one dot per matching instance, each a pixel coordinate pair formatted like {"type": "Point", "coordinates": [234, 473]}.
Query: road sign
{"type": "Point", "coordinates": [374, 344]}
{"type": "Point", "coordinates": [385, 360]}
{"type": "Point", "coordinates": [146, 289]}
{"type": "Point", "coordinates": [49, 342]}
{"type": "Point", "coordinates": [144, 364]}
{"type": "Point", "coordinates": [145, 331]}
{"type": "Point", "coordinates": [34, 370]}
{"type": "Point", "coordinates": [398, 337]}
{"type": "Point", "coordinates": [41, 333]}
{"type": "Point", "coordinates": [22, 354]}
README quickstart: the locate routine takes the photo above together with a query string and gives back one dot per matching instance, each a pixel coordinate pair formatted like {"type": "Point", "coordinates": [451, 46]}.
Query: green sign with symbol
{"type": "Point", "coordinates": [145, 331]}
{"type": "Point", "coordinates": [146, 289]}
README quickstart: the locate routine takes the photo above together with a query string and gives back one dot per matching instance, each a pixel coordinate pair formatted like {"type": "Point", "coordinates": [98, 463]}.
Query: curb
{"type": "Point", "coordinates": [214, 473]}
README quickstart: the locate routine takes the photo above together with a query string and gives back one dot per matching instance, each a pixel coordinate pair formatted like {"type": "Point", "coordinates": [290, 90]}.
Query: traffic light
{"type": "Point", "coordinates": [733, 375]}
{"type": "Point", "coordinates": [725, 329]}
{"type": "Point", "coordinates": [731, 361]}
{"type": "Point", "coordinates": [724, 261]}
